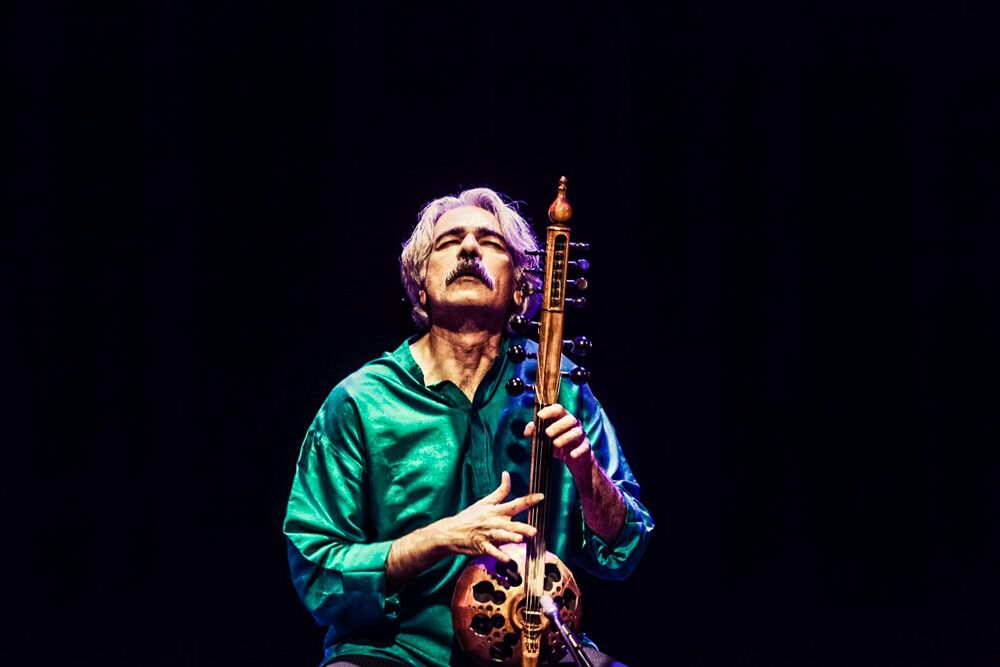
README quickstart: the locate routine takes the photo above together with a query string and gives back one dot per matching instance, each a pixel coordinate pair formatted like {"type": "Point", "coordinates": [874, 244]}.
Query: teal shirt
{"type": "Point", "coordinates": [387, 455]}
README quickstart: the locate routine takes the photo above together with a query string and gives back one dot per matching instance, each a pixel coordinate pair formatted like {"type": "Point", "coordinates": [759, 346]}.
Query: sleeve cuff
{"type": "Point", "coordinates": [366, 588]}
{"type": "Point", "coordinates": [618, 559]}
{"type": "Point", "coordinates": [354, 594]}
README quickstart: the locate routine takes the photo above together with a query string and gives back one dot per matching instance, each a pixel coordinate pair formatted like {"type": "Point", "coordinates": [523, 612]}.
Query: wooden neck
{"type": "Point", "coordinates": [547, 383]}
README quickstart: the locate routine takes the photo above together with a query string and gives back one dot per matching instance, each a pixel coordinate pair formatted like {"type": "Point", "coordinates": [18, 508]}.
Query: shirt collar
{"type": "Point", "coordinates": [487, 388]}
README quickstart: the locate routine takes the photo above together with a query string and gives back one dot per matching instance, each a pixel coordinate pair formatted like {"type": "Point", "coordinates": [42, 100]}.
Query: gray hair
{"type": "Point", "coordinates": [515, 229]}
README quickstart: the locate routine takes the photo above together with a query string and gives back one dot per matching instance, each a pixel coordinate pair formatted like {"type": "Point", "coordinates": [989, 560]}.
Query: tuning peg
{"type": "Point", "coordinates": [579, 301]}
{"type": "Point", "coordinates": [579, 245]}
{"type": "Point", "coordinates": [516, 386]}
{"type": "Point", "coordinates": [579, 346]}
{"type": "Point", "coordinates": [577, 376]}
{"type": "Point", "coordinates": [581, 264]}
{"type": "Point", "coordinates": [537, 253]}
{"type": "Point", "coordinates": [523, 325]}
{"type": "Point", "coordinates": [517, 354]}
{"type": "Point", "coordinates": [578, 283]}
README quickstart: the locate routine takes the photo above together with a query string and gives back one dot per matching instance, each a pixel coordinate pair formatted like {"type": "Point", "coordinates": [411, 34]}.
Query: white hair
{"type": "Point", "coordinates": [516, 232]}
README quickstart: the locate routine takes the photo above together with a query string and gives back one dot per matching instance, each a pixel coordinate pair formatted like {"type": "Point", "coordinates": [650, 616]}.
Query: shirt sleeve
{"type": "Point", "coordinates": [618, 559]}
{"type": "Point", "coordinates": [339, 574]}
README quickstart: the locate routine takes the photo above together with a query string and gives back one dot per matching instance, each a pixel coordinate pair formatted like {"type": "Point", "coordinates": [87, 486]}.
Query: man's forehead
{"type": "Point", "coordinates": [466, 218]}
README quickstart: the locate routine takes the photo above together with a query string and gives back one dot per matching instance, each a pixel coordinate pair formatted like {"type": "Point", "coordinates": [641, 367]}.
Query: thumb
{"type": "Point", "coordinates": [501, 491]}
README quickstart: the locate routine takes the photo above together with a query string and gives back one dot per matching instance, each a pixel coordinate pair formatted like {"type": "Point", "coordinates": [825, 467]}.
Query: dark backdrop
{"type": "Point", "coordinates": [794, 212]}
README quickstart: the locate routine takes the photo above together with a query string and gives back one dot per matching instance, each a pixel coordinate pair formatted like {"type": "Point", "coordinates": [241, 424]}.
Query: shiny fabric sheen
{"type": "Point", "coordinates": [386, 455]}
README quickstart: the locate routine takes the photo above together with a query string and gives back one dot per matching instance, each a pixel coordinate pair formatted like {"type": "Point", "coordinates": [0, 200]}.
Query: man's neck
{"type": "Point", "coordinates": [463, 357]}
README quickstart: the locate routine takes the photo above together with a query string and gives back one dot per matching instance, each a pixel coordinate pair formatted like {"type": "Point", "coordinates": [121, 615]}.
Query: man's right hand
{"type": "Point", "coordinates": [477, 530]}
{"type": "Point", "coordinates": [480, 527]}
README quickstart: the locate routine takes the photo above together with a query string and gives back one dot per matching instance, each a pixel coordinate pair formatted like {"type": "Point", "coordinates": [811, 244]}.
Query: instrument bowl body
{"type": "Point", "coordinates": [487, 608]}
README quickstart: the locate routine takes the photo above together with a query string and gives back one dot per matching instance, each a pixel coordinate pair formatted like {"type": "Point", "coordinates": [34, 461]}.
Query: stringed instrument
{"type": "Point", "coordinates": [496, 609]}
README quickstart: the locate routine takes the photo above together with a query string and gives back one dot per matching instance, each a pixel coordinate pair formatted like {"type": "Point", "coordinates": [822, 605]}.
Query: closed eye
{"type": "Point", "coordinates": [484, 236]}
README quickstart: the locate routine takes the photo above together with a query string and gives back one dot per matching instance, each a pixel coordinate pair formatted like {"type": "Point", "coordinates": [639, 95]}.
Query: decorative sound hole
{"type": "Point", "coordinates": [551, 575]}
{"type": "Point", "coordinates": [484, 592]}
{"type": "Point", "coordinates": [508, 572]}
{"type": "Point", "coordinates": [567, 600]}
{"type": "Point", "coordinates": [546, 652]}
{"type": "Point", "coordinates": [483, 625]}
{"type": "Point", "coordinates": [500, 651]}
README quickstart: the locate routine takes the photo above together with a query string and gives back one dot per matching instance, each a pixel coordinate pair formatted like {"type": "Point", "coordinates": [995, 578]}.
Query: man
{"type": "Point", "coordinates": [409, 466]}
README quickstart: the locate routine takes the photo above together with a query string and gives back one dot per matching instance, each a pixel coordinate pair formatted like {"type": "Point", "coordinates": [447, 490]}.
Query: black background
{"type": "Point", "coordinates": [795, 288]}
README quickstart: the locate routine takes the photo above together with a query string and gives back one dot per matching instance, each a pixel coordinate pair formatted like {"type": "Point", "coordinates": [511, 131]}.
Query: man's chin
{"type": "Point", "coordinates": [472, 299]}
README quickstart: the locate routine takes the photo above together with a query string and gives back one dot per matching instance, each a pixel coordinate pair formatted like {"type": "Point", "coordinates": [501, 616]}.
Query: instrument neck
{"type": "Point", "coordinates": [541, 466]}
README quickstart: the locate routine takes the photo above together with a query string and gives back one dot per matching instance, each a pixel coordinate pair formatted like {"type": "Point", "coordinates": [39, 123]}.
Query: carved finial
{"type": "Point", "coordinates": [560, 211]}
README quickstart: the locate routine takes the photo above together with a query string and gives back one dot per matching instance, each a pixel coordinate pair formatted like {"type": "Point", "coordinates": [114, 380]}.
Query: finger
{"type": "Point", "coordinates": [491, 550]}
{"type": "Point", "coordinates": [500, 493]}
{"type": "Point", "coordinates": [522, 528]}
{"type": "Point", "coordinates": [554, 411]}
{"type": "Point", "coordinates": [580, 451]}
{"type": "Point", "coordinates": [570, 437]}
{"type": "Point", "coordinates": [501, 536]}
{"type": "Point", "coordinates": [529, 429]}
{"type": "Point", "coordinates": [560, 426]}
{"type": "Point", "coordinates": [512, 507]}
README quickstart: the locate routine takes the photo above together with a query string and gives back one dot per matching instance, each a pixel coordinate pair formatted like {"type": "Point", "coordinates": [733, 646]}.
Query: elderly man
{"type": "Point", "coordinates": [409, 466]}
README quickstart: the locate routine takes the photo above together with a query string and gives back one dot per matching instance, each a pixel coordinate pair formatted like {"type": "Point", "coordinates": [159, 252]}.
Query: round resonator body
{"type": "Point", "coordinates": [488, 608]}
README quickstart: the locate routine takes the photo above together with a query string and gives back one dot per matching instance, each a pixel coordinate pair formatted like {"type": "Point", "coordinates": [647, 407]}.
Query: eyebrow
{"type": "Point", "coordinates": [461, 230]}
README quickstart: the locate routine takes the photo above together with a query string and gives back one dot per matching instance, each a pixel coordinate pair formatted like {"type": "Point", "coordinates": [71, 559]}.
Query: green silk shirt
{"type": "Point", "coordinates": [386, 455]}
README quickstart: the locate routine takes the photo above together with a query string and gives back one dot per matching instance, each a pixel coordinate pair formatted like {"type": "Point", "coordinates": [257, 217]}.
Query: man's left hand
{"type": "Point", "coordinates": [569, 442]}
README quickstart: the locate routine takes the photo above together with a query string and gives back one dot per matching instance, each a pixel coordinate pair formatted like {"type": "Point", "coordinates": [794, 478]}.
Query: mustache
{"type": "Point", "coordinates": [467, 267]}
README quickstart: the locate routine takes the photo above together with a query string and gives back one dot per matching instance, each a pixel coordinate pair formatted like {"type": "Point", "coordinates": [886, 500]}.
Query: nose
{"type": "Point", "coordinates": [470, 246]}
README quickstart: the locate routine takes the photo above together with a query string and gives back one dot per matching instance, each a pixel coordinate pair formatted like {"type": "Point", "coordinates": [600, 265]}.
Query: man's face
{"type": "Point", "coordinates": [470, 266]}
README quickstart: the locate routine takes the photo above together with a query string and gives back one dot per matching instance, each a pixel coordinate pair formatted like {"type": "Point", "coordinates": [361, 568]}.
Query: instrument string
{"type": "Point", "coordinates": [535, 562]}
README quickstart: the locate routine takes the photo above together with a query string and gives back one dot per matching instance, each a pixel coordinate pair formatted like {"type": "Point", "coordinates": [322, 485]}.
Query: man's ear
{"type": "Point", "coordinates": [422, 295]}
{"type": "Point", "coordinates": [519, 296]}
